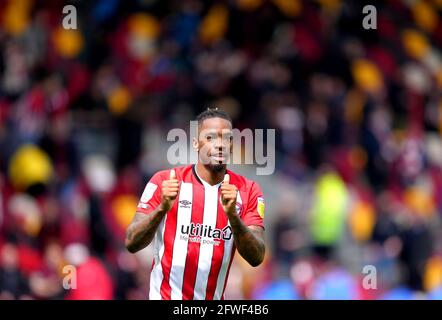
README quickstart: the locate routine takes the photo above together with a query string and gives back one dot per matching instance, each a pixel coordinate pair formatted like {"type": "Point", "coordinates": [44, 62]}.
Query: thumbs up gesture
{"type": "Point", "coordinates": [228, 196]}
{"type": "Point", "coordinates": [169, 191]}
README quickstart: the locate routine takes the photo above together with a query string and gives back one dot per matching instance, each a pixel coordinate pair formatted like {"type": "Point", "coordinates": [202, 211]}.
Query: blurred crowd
{"type": "Point", "coordinates": [84, 115]}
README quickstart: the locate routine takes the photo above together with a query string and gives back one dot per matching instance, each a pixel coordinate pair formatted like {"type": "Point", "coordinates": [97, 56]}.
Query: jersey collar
{"type": "Point", "coordinates": [204, 183]}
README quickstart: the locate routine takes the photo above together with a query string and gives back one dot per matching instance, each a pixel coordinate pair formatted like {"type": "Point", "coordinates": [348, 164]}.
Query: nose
{"type": "Point", "coordinates": [219, 143]}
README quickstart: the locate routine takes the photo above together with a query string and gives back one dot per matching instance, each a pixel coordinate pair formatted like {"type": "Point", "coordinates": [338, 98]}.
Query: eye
{"type": "Point", "coordinates": [227, 137]}
{"type": "Point", "coordinates": [210, 137]}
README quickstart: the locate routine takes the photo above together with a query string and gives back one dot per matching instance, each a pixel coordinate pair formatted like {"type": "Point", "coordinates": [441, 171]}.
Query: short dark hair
{"type": "Point", "coordinates": [212, 113]}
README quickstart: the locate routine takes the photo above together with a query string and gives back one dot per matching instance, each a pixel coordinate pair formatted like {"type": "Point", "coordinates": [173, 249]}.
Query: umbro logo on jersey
{"type": "Point", "coordinates": [185, 204]}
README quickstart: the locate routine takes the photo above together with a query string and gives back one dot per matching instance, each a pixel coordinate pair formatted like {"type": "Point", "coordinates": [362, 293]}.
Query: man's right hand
{"type": "Point", "coordinates": [169, 192]}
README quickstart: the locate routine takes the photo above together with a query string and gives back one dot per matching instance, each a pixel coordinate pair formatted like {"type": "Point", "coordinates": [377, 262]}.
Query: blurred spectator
{"type": "Point", "coordinates": [13, 283]}
{"type": "Point", "coordinates": [93, 281]}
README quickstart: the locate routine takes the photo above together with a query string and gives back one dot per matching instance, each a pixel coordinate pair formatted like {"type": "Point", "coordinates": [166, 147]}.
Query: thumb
{"type": "Point", "coordinates": [226, 179]}
{"type": "Point", "coordinates": [172, 174]}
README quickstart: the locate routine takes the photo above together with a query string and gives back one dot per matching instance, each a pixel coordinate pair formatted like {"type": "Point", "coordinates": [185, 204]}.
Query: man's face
{"type": "Point", "coordinates": [214, 143]}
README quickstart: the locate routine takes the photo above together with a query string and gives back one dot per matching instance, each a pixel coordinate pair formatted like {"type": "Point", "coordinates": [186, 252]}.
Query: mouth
{"type": "Point", "coordinates": [219, 157]}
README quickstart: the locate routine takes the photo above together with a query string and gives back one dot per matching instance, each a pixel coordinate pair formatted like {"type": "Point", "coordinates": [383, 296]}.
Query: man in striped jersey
{"type": "Point", "coordinates": [197, 217]}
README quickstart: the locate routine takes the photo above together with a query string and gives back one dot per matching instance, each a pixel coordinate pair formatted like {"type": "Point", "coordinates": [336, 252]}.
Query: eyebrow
{"type": "Point", "coordinates": [211, 130]}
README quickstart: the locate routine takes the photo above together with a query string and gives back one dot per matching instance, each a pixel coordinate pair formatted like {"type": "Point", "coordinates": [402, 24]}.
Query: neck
{"type": "Point", "coordinates": [208, 175]}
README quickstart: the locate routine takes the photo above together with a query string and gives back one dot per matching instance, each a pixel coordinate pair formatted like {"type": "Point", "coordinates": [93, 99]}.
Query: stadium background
{"type": "Point", "coordinates": [84, 116]}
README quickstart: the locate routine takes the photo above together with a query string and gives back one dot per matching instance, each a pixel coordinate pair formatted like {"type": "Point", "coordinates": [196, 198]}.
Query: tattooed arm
{"type": "Point", "coordinates": [248, 240]}
{"type": "Point", "coordinates": [142, 229]}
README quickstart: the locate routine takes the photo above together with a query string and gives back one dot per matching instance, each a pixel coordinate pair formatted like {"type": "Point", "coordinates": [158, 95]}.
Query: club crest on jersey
{"type": "Point", "coordinates": [261, 207]}
{"type": "Point", "coordinates": [238, 208]}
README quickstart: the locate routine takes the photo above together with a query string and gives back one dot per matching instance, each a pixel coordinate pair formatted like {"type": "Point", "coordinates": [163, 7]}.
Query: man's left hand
{"type": "Point", "coordinates": [228, 196]}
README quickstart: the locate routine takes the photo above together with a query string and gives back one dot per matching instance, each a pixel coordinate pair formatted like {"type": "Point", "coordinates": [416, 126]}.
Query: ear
{"type": "Point", "coordinates": [195, 144]}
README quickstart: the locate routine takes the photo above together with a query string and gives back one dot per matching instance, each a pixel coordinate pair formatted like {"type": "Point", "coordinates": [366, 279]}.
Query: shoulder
{"type": "Point", "coordinates": [243, 183]}
{"type": "Point", "coordinates": [180, 172]}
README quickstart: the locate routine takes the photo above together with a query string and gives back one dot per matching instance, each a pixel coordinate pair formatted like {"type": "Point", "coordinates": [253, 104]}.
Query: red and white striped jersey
{"type": "Point", "coordinates": [194, 246]}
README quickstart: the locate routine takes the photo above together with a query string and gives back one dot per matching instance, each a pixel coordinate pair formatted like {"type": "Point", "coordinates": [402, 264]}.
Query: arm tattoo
{"type": "Point", "coordinates": [248, 240]}
{"type": "Point", "coordinates": [142, 229]}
